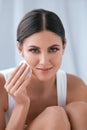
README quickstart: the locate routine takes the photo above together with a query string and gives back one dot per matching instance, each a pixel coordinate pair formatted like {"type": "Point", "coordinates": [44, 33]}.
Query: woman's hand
{"type": "Point", "coordinates": [17, 83]}
{"type": "Point", "coordinates": [16, 87]}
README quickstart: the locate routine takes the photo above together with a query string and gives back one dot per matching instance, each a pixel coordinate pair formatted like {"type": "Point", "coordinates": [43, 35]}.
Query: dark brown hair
{"type": "Point", "coordinates": [38, 20]}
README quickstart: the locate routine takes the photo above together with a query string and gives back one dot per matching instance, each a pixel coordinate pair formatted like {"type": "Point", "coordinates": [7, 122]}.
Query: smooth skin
{"type": "Point", "coordinates": [36, 99]}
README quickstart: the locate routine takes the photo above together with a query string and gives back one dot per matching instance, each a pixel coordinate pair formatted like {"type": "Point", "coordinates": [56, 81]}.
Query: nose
{"type": "Point", "coordinates": [44, 59]}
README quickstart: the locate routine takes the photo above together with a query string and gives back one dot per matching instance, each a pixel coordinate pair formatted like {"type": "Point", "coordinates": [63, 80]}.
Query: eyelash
{"type": "Point", "coordinates": [34, 50]}
{"type": "Point", "coordinates": [53, 50]}
{"type": "Point", "coordinates": [50, 50]}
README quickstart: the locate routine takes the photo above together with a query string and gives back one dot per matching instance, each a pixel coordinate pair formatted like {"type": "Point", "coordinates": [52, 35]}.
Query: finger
{"type": "Point", "coordinates": [20, 80]}
{"type": "Point", "coordinates": [13, 80]}
{"type": "Point", "coordinates": [13, 73]}
{"type": "Point", "coordinates": [23, 86]}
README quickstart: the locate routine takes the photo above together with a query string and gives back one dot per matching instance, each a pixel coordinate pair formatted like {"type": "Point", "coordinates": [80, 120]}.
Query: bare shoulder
{"type": "Point", "coordinates": [3, 93]}
{"type": "Point", "coordinates": [2, 80]}
{"type": "Point", "coordinates": [75, 80]}
{"type": "Point", "coordinates": [3, 102]}
{"type": "Point", "coordinates": [77, 90]}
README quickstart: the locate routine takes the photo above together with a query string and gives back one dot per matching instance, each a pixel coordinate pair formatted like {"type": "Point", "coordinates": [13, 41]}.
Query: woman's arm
{"type": "Point", "coordinates": [16, 87]}
{"type": "Point", "coordinates": [18, 117]}
{"type": "Point", "coordinates": [2, 119]}
{"type": "Point", "coordinates": [76, 89]}
{"type": "Point", "coordinates": [77, 114]}
{"type": "Point", "coordinates": [3, 102]}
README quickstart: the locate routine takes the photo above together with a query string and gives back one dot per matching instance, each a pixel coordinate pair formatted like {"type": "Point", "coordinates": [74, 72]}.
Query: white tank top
{"type": "Point", "coordinates": [61, 90]}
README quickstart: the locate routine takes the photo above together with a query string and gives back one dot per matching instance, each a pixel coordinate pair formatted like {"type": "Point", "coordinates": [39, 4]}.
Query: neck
{"type": "Point", "coordinates": [47, 84]}
{"type": "Point", "coordinates": [44, 86]}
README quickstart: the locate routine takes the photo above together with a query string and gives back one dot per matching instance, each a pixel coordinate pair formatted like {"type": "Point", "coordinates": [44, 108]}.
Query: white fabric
{"type": "Point", "coordinates": [61, 90]}
{"type": "Point", "coordinates": [7, 72]}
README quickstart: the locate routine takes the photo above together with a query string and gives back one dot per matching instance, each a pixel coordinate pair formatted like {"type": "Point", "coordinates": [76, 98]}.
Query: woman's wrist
{"type": "Point", "coordinates": [24, 104]}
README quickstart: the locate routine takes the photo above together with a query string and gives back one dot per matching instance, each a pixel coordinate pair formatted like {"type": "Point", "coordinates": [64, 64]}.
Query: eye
{"type": "Point", "coordinates": [34, 50]}
{"type": "Point", "coordinates": [53, 49]}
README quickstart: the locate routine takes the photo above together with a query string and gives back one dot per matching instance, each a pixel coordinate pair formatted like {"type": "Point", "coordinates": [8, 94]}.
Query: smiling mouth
{"type": "Point", "coordinates": [44, 69]}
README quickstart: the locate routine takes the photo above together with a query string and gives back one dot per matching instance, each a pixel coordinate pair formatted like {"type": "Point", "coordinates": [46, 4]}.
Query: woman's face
{"type": "Point", "coordinates": [43, 51]}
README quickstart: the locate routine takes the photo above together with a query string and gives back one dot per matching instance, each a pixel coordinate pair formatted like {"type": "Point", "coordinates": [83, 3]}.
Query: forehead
{"type": "Point", "coordinates": [43, 38]}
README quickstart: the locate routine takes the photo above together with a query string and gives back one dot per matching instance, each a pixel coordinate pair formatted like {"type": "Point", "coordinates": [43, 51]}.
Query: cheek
{"type": "Point", "coordinates": [57, 62]}
{"type": "Point", "coordinates": [31, 60]}
{"type": "Point", "coordinates": [57, 59]}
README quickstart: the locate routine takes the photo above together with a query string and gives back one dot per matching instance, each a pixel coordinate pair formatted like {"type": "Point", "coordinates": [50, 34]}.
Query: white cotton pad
{"type": "Point", "coordinates": [30, 73]}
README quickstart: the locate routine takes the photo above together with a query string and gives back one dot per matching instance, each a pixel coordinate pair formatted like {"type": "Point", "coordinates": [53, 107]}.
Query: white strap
{"type": "Point", "coordinates": [7, 72]}
{"type": "Point", "coordinates": [61, 88]}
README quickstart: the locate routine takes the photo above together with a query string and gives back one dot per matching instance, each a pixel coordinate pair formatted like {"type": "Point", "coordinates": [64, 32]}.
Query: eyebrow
{"type": "Point", "coordinates": [33, 46]}
{"type": "Point", "coordinates": [54, 45]}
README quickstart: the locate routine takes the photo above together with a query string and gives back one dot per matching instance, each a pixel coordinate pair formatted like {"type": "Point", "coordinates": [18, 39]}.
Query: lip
{"type": "Point", "coordinates": [44, 69]}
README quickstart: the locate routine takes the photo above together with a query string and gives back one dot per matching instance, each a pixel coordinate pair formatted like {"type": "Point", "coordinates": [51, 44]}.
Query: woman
{"type": "Point", "coordinates": [49, 98]}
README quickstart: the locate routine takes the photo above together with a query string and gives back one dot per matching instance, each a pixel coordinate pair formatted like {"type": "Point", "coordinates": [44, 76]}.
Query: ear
{"type": "Point", "coordinates": [20, 48]}
{"type": "Point", "coordinates": [64, 45]}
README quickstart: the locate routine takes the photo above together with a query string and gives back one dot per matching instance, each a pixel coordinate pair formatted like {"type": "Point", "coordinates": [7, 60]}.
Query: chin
{"type": "Point", "coordinates": [45, 76]}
